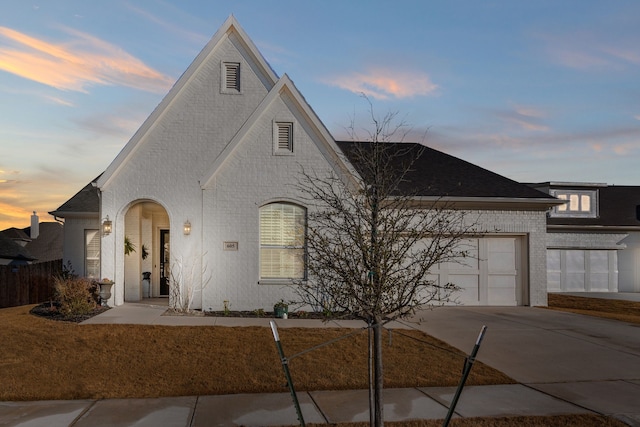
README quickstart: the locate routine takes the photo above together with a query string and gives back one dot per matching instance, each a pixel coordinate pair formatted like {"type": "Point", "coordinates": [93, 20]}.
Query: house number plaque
{"type": "Point", "coordinates": [230, 246]}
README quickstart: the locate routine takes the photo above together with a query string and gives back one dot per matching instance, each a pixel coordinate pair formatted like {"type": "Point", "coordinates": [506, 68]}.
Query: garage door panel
{"type": "Point", "coordinates": [488, 276]}
{"type": "Point", "coordinates": [575, 260]}
{"type": "Point", "coordinates": [502, 289]}
{"type": "Point", "coordinates": [574, 282]}
{"type": "Point", "coordinates": [469, 292]}
{"type": "Point", "coordinates": [599, 282]}
{"type": "Point", "coordinates": [599, 261]}
{"type": "Point", "coordinates": [469, 261]}
{"type": "Point", "coordinates": [578, 270]}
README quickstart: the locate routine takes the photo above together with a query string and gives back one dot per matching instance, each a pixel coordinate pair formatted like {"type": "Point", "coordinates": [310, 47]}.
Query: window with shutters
{"type": "Point", "coordinates": [282, 241]}
{"type": "Point", "coordinates": [283, 138]}
{"type": "Point", "coordinates": [231, 77]}
{"type": "Point", "coordinates": [92, 254]}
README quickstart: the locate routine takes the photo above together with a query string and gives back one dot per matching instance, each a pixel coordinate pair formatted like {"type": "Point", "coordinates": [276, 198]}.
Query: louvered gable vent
{"type": "Point", "coordinates": [232, 76]}
{"type": "Point", "coordinates": [285, 137]}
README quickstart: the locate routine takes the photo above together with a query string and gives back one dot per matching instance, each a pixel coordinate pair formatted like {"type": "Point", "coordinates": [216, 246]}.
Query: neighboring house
{"type": "Point", "coordinates": [593, 240]}
{"type": "Point", "coordinates": [205, 186]}
{"type": "Point", "coordinates": [12, 253]}
{"type": "Point", "coordinates": [41, 242]}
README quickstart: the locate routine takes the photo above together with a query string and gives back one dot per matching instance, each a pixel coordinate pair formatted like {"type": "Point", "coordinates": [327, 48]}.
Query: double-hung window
{"type": "Point", "coordinates": [282, 241]}
{"type": "Point", "coordinates": [92, 254]}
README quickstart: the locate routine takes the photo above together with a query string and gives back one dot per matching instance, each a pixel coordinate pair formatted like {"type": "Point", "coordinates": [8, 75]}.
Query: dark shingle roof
{"type": "Point", "coordinates": [48, 245]}
{"type": "Point", "coordinates": [437, 174]}
{"type": "Point", "coordinates": [16, 234]}
{"type": "Point", "coordinates": [12, 250]}
{"type": "Point", "coordinates": [85, 200]}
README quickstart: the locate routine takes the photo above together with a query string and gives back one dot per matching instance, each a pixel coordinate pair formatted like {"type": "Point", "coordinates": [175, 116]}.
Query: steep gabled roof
{"type": "Point", "coordinates": [85, 202]}
{"type": "Point", "coordinates": [435, 174]}
{"type": "Point", "coordinates": [231, 26]}
{"type": "Point", "coordinates": [326, 142]}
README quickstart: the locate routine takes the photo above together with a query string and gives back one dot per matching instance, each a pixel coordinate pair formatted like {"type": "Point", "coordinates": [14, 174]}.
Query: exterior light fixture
{"type": "Point", "coordinates": [106, 226]}
{"type": "Point", "coordinates": [187, 228]}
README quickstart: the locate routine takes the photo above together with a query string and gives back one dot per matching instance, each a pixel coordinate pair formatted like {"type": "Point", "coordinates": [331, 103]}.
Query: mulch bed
{"type": "Point", "coordinates": [269, 314]}
{"type": "Point", "coordinates": [50, 310]}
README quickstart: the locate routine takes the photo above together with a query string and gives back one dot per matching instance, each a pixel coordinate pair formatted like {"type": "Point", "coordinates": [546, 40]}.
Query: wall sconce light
{"type": "Point", "coordinates": [187, 228]}
{"type": "Point", "coordinates": [106, 226]}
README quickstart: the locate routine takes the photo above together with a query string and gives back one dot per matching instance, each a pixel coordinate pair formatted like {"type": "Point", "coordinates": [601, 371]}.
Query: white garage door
{"type": "Point", "coordinates": [491, 276]}
{"type": "Point", "coordinates": [581, 270]}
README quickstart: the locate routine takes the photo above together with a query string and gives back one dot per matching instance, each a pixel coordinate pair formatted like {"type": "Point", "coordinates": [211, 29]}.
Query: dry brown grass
{"type": "Point", "coordinates": [625, 311]}
{"type": "Point", "coordinates": [45, 359]}
{"type": "Point", "coordinates": [550, 421]}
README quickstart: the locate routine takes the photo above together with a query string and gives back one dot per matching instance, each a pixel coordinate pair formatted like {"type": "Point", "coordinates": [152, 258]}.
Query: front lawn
{"type": "Point", "coordinates": [624, 311]}
{"type": "Point", "coordinates": [45, 359]}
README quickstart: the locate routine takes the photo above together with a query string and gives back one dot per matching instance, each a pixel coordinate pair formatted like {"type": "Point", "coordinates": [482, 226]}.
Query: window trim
{"type": "Point", "coordinates": [303, 247]}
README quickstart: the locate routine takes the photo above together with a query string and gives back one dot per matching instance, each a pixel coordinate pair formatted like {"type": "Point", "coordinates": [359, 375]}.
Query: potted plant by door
{"type": "Point", "coordinates": [281, 309]}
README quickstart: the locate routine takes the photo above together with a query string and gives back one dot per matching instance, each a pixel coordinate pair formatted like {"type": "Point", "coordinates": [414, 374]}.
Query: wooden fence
{"type": "Point", "coordinates": [27, 284]}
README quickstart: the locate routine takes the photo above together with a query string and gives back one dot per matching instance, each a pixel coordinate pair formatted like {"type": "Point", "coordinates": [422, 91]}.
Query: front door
{"type": "Point", "coordinates": [165, 263]}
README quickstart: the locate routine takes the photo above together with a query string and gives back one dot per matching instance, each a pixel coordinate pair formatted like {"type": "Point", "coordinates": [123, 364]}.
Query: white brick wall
{"type": "Point", "coordinates": [179, 149]}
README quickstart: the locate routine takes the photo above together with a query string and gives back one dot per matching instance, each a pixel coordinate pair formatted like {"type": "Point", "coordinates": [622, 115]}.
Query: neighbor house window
{"type": "Point", "coordinates": [578, 203]}
{"type": "Point", "coordinates": [92, 253]}
{"type": "Point", "coordinates": [282, 241]}
{"type": "Point", "coordinates": [283, 138]}
{"type": "Point", "coordinates": [231, 77]}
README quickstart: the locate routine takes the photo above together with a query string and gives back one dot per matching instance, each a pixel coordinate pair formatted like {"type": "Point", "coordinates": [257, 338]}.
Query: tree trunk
{"type": "Point", "coordinates": [370, 373]}
{"type": "Point", "coordinates": [378, 377]}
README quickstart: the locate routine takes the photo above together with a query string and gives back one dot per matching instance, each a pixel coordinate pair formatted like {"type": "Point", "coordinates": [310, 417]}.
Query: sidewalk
{"type": "Point", "coordinates": [276, 409]}
{"type": "Point", "coordinates": [565, 363]}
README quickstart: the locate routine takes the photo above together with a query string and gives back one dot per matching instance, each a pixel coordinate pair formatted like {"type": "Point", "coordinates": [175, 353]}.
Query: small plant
{"type": "Point", "coordinates": [302, 314]}
{"type": "Point", "coordinates": [226, 308]}
{"type": "Point", "coordinates": [77, 296]}
{"type": "Point", "coordinates": [281, 309]}
{"type": "Point", "coordinates": [258, 312]}
{"type": "Point", "coordinates": [129, 247]}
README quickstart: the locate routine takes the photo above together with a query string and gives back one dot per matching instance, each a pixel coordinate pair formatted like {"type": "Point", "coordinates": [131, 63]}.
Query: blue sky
{"type": "Point", "coordinates": [533, 90]}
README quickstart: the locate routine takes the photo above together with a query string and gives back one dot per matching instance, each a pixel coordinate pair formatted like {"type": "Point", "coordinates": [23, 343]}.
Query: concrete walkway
{"type": "Point", "coordinates": [564, 363]}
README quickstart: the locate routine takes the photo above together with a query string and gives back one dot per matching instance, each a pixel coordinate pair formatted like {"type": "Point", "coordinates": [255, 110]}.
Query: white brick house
{"type": "Point", "coordinates": [210, 170]}
{"type": "Point", "coordinates": [593, 239]}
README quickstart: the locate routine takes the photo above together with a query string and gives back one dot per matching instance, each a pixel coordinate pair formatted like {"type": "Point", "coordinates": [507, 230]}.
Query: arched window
{"type": "Point", "coordinates": [282, 241]}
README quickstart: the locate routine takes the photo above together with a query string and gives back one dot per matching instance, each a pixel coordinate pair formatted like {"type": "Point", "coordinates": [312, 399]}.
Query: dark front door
{"type": "Point", "coordinates": [165, 263]}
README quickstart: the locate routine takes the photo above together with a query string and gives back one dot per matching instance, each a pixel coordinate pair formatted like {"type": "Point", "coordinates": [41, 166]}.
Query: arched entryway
{"type": "Point", "coordinates": [148, 238]}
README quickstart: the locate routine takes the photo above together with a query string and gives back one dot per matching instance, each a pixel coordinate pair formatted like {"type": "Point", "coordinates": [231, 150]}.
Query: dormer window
{"type": "Point", "coordinates": [579, 203]}
{"type": "Point", "coordinates": [283, 138]}
{"type": "Point", "coordinates": [231, 77]}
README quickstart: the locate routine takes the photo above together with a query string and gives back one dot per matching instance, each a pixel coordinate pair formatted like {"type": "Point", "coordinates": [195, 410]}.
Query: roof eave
{"type": "Point", "coordinates": [69, 214]}
{"type": "Point", "coordinates": [593, 228]}
{"type": "Point", "coordinates": [489, 203]}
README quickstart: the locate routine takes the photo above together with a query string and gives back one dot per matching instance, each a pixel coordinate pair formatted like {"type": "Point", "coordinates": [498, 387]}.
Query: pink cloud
{"type": "Point", "coordinates": [83, 62]}
{"type": "Point", "coordinates": [383, 83]}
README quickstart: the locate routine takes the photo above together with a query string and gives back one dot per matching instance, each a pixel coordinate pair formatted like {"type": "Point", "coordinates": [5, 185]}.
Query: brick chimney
{"type": "Point", "coordinates": [35, 226]}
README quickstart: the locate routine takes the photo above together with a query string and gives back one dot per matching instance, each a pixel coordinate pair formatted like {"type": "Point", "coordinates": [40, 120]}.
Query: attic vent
{"type": "Point", "coordinates": [284, 138]}
{"type": "Point", "coordinates": [231, 77]}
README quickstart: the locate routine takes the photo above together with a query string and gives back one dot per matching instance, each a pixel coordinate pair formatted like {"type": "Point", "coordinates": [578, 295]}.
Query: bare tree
{"type": "Point", "coordinates": [371, 243]}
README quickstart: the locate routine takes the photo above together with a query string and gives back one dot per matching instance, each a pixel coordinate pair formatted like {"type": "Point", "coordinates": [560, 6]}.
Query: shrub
{"type": "Point", "coordinates": [76, 295]}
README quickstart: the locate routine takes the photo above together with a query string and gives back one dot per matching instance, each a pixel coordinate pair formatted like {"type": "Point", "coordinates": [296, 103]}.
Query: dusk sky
{"type": "Point", "coordinates": [533, 90]}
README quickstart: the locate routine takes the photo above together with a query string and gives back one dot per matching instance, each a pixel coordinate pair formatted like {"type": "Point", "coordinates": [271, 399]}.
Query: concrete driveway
{"type": "Point", "coordinates": [591, 362]}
